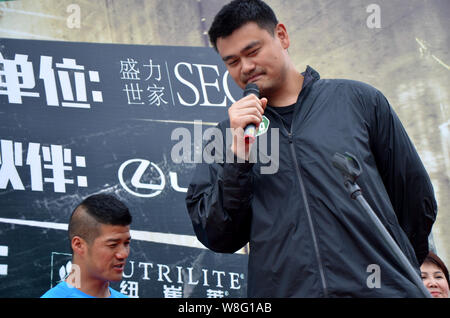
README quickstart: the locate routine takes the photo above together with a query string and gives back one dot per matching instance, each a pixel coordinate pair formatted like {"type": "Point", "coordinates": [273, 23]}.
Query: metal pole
{"type": "Point", "coordinates": [401, 258]}
{"type": "Point", "coordinates": [351, 170]}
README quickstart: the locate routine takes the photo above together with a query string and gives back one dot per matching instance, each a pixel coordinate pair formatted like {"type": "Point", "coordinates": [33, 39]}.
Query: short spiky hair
{"type": "Point", "coordinates": [239, 12]}
{"type": "Point", "coordinates": [96, 210]}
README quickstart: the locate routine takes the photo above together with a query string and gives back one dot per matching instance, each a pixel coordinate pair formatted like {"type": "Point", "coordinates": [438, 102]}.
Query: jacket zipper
{"type": "Point", "coordinates": [308, 213]}
{"type": "Point", "coordinates": [305, 200]}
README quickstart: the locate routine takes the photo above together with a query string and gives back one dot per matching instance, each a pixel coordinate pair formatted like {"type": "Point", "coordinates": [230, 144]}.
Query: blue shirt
{"type": "Point", "coordinates": [64, 290]}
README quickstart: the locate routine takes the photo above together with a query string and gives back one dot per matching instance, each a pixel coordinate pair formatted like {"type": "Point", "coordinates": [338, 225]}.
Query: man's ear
{"type": "Point", "coordinates": [79, 246]}
{"type": "Point", "coordinates": [282, 35]}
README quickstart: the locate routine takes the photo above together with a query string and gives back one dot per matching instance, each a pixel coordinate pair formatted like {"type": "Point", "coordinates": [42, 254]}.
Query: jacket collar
{"type": "Point", "coordinates": [310, 75]}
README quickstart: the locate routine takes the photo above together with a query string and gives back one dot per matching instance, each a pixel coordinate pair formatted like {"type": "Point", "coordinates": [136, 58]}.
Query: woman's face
{"type": "Point", "coordinates": [434, 280]}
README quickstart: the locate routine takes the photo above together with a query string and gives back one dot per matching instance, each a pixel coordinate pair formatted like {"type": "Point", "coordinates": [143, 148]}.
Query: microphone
{"type": "Point", "coordinates": [250, 129]}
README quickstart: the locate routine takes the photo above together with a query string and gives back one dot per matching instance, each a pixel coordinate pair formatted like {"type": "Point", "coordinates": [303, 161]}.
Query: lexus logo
{"type": "Point", "coordinates": [147, 179]}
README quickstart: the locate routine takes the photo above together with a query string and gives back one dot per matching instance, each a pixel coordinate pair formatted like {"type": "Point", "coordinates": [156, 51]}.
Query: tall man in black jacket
{"type": "Point", "coordinates": [307, 237]}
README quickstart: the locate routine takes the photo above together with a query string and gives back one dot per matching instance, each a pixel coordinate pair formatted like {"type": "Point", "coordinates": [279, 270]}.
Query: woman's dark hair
{"type": "Point", "coordinates": [434, 259]}
{"type": "Point", "coordinates": [239, 12]}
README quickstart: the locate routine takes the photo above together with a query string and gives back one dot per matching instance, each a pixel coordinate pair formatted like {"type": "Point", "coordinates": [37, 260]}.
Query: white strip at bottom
{"type": "Point", "coordinates": [155, 237]}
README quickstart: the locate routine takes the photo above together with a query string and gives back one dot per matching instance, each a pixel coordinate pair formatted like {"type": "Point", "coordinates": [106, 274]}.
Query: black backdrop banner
{"type": "Point", "coordinates": [83, 118]}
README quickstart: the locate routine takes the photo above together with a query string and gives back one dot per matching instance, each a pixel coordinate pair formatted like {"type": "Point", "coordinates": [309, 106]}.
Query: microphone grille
{"type": "Point", "coordinates": [251, 88]}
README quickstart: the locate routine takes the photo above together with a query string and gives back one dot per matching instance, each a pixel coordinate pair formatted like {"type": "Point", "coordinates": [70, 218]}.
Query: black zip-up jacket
{"type": "Point", "coordinates": [307, 237]}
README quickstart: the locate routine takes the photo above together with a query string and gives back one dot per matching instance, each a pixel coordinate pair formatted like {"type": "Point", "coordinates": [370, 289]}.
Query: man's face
{"type": "Point", "coordinates": [106, 255]}
{"type": "Point", "coordinates": [253, 55]}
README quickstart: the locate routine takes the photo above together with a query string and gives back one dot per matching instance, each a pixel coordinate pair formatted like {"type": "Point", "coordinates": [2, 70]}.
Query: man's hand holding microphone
{"type": "Point", "coordinates": [245, 116]}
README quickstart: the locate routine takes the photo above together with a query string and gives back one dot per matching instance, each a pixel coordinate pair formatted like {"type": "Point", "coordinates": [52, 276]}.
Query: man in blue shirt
{"type": "Point", "coordinates": [99, 232]}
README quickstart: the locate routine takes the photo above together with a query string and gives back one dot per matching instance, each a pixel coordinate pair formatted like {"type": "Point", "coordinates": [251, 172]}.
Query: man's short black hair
{"type": "Point", "coordinates": [239, 12]}
{"type": "Point", "coordinates": [95, 210]}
